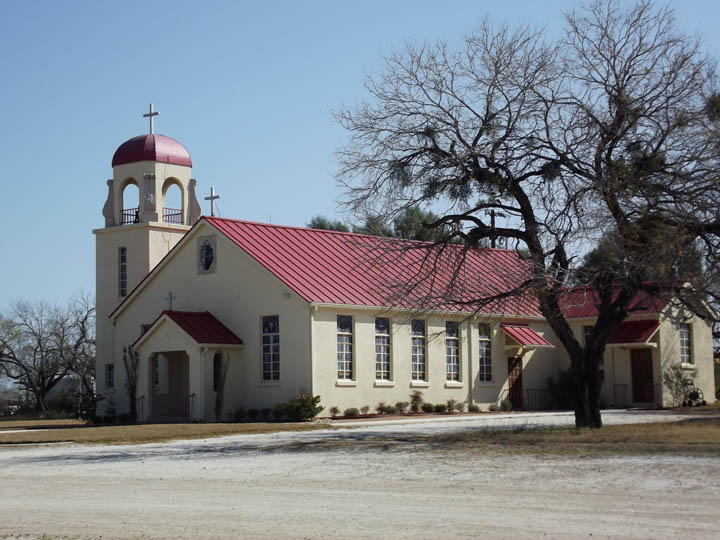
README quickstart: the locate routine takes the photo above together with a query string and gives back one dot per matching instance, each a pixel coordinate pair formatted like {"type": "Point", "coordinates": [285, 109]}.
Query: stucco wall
{"type": "Point", "coordinates": [239, 292]}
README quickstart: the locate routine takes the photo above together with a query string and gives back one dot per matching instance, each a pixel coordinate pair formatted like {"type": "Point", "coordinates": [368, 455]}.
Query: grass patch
{"type": "Point", "coordinates": [56, 431]}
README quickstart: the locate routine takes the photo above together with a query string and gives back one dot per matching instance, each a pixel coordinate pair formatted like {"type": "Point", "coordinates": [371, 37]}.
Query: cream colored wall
{"type": "Point", "coordinates": [366, 390]}
{"type": "Point", "coordinates": [239, 293]}
{"type": "Point", "coordinates": [702, 369]}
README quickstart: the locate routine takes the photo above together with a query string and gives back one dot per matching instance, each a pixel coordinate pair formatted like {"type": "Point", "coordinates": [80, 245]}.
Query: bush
{"type": "Point", "coordinates": [441, 408]}
{"type": "Point", "coordinates": [266, 414]}
{"type": "Point", "coordinates": [460, 406]}
{"type": "Point", "coordinates": [473, 408]}
{"type": "Point", "coordinates": [280, 411]}
{"type": "Point", "coordinates": [562, 390]}
{"type": "Point", "coordinates": [252, 415]}
{"type": "Point", "coordinates": [301, 408]}
{"type": "Point", "coordinates": [351, 412]}
{"type": "Point", "coordinates": [428, 407]}
{"type": "Point", "coordinates": [416, 400]}
{"type": "Point", "coordinates": [401, 406]}
{"type": "Point", "coordinates": [239, 414]}
{"type": "Point", "coordinates": [451, 404]}
{"type": "Point", "coordinates": [493, 407]}
{"type": "Point", "coordinates": [381, 406]}
{"type": "Point", "coordinates": [334, 411]}
{"type": "Point", "coordinates": [506, 405]}
{"type": "Point", "coordinates": [123, 418]}
{"type": "Point", "coordinates": [674, 379]}
{"type": "Point", "coordinates": [390, 410]}
{"type": "Point", "coordinates": [364, 409]}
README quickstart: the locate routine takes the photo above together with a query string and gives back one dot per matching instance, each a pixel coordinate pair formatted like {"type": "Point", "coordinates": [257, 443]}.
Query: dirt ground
{"type": "Point", "coordinates": [281, 486]}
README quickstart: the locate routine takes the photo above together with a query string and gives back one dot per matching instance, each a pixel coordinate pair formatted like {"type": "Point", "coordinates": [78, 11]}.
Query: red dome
{"type": "Point", "coordinates": [151, 148]}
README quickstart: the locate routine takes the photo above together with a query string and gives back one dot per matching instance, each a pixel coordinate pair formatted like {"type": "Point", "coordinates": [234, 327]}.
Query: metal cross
{"type": "Point", "coordinates": [150, 115]}
{"type": "Point", "coordinates": [170, 298]}
{"type": "Point", "coordinates": [212, 198]}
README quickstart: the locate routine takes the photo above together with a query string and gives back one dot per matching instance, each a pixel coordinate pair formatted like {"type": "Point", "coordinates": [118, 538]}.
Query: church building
{"type": "Point", "coordinates": [261, 312]}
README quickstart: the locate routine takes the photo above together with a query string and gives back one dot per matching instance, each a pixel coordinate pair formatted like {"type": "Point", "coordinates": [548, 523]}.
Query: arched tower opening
{"type": "Point", "coordinates": [173, 199]}
{"type": "Point", "coordinates": [130, 197]}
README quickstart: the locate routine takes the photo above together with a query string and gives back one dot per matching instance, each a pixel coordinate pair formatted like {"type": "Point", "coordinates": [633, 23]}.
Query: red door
{"type": "Point", "coordinates": [515, 389]}
{"type": "Point", "coordinates": [643, 387]}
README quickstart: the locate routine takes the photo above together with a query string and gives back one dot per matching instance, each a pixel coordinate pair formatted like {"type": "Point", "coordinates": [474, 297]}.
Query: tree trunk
{"type": "Point", "coordinates": [587, 402]}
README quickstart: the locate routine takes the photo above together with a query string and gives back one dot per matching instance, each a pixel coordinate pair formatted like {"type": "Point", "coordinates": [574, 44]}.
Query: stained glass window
{"type": "Point", "coordinates": [207, 255]}
{"type": "Point", "coordinates": [271, 348]}
{"type": "Point", "coordinates": [344, 347]}
{"type": "Point", "coordinates": [452, 351]}
{"type": "Point", "coordinates": [418, 350]}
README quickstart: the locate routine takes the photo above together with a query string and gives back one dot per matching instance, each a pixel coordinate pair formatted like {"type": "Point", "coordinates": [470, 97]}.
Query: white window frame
{"type": "Point", "coordinates": [345, 356]}
{"type": "Point", "coordinates": [452, 352]}
{"type": "Point", "coordinates": [418, 351]}
{"type": "Point", "coordinates": [383, 352]}
{"type": "Point", "coordinates": [270, 351]}
{"type": "Point", "coordinates": [685, 336]}
{"type": "Point", "coordinates": [485, 371]}
{"type": "Point", "coordinates": [109, 376]}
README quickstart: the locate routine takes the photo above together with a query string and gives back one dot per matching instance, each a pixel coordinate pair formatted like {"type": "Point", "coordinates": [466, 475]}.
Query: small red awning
{"type": "Point", "coordinates": [634, 332]}
{"type": "Point", "coordinates": [525, 336]}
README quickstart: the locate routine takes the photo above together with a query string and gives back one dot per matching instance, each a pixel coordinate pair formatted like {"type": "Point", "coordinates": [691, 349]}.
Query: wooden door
{"type": "Point", "coordinates": [515, 388]}
{"type": "Point", "coordinates": [643, 387]}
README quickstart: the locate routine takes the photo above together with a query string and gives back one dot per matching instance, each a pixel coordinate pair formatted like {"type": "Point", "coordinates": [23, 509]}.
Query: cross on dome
{"type": "Point", "coordinates": [150, 115]}
{"type": "Point", "coordinates": [170, 297]}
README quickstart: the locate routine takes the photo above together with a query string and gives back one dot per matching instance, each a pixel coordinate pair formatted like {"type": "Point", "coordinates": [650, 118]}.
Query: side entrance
{"type": "Point", "coordinates": [643, 384]}
{"type": "Point", "coordinates": [515, 387]}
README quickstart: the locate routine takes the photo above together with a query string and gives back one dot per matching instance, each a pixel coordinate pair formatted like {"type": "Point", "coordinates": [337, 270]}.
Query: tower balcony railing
{"type": "Point", "coordinates": [173, 215]}
{"type": "Point", "coordinates": [130, 216]}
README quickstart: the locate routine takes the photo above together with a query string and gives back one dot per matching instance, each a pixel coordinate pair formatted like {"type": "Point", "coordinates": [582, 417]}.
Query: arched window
{"type": "Point", "coordinates": [172, 202]}
{"type": "Point", "coordinates": [130, 202]}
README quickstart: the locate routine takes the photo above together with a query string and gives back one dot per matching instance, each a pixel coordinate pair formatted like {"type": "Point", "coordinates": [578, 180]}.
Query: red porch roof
{"type": "Point", "coordinates": [525, 335]}
{"type": "Point", "coordinates": [201, 326]}
{"type": "Point", "coordinates": [634, 332]}
{"type": "Point", "coordinates": [581, 302]}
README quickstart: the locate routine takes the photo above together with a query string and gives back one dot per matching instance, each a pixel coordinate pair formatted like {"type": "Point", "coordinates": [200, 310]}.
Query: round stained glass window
{"type": "Point", "coordinates": [207, 255]}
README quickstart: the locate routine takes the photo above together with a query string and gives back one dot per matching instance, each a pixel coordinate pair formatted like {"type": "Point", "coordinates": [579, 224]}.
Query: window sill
{"type": "Point", "coordinates": [454, 384]}
{"type": "Point", "coordinates": [345, 382]}
{"type": "Point", "coordinates": [689, 367]}
{"type": "Point", "coordinates": [264, 384]}
{"type": "Point", "coordinates": [487, 384]}
{"type": "Point", "coordinates": [384, 384]}
{"type": "Point", "coordinates": [419, 384]}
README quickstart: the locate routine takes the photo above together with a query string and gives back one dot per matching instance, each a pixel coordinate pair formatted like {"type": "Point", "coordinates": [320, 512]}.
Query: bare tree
{"type": "Point", "coordinates": [131, 362]}
{"type": "Point", "coordinates": [608, 128]}
{"type": "Point", "coordinates": [28, 350]}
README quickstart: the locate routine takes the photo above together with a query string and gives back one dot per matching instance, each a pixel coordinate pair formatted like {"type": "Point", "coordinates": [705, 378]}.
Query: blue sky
{"type": "Point", "coordinates": [247, 87]}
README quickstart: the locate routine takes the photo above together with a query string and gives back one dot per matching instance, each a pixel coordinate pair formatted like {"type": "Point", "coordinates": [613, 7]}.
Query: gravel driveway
{"type": "Point", "coordinates": [263, 486]}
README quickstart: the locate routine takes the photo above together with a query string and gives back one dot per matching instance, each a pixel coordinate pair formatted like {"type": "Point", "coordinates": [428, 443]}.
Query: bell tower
{"type": "Point", "coordinates": [140, 228]}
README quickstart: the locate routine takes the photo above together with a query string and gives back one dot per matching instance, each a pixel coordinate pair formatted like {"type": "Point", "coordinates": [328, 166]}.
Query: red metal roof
{"type": "Point", "coordinates": [582, 302]}
{"type": "Point", "coordinates": [151, 148]}
{"type": "Point", "coordinates": [634, 332]}
{"type": "Point", "coordinates": [525, 335]}
{"type": "Point", "coordinates": [202, 326]}
{"type": "Point", "coordinates": [329, 267]}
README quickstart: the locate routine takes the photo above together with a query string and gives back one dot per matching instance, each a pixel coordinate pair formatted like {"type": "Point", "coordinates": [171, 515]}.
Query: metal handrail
{"type": "Point", "coordinates": [172, 215]}
{"type": "Point", "coordinates": [130, 216]}
{"type": "Point", "coordinates": [190, 400]}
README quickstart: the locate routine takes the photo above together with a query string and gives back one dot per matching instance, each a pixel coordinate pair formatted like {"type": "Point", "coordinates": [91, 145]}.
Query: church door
{"type": "Point", "coordinates": [515, 388]}
{"type": "Point", "coordinates": [643, 387]}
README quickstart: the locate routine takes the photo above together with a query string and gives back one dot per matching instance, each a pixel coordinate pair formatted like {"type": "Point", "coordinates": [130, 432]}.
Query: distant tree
{"type": "Point", "coordinates": [29, 352]}
{"type": "Point", "coordinates": [374, 226]}
{"type": "Point", "coordinates": [321, 222]}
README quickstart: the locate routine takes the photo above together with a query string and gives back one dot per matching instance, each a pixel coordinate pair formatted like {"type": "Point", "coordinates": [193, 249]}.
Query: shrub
{"type": "Point", "coordinates": [381, 406]}
{"type": "Point", "coordinates": [493, 407]}
{"type": "Point", "coordinates": [364, 409]}
{"type": "Point", "coordinates": [428, 407]}
{"type": "Point", "coordinates": [473, 408]}
{"type": "Point", "coordinates": [280, 411]}
{"type": "Point", "coordinates": [252, 415]}
{"type": "Point", "coordinates": [301, 408]}
{"type": "Point", "coordinates": [562, 390]}
{"type": "Point", "coordinates": [505, 405]}
{"type": "Point", "coordinates": [674, 379]}
{"type": "Point", "coordinates": [401, 406]}
{"type": "Point", "coordinates": [334, 411]}
{"type": "Point", "coordinates": [266, 414]}
{"type": "Point", "coordinates": [123, 418]}
{"type": "Point", "coordinates": [390, 409]}
{"type": "Point", "coordinates": [239, 414]}
{"type": "Point", "coordinates": [460, 406]}
{"type": "Point", "coordinates": [351, 412]}
{"type": "Point", "coordinates": [451, 404]}
{"type": "Point", "coordinates": [441, 408]}
{"type": "Point", "coordinates": [416, 400]}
